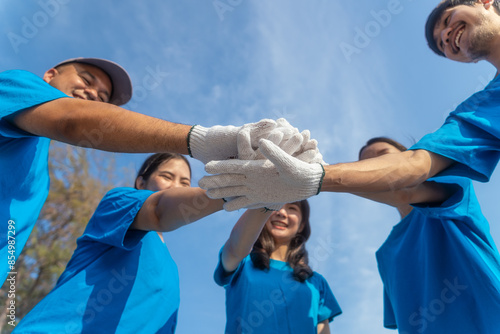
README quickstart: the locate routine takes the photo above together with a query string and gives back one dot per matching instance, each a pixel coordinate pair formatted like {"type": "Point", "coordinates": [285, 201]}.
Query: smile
{"type": "Point", "coordinates": [279, 224]}
{"type": "Point", "coordinates": [457, 38]}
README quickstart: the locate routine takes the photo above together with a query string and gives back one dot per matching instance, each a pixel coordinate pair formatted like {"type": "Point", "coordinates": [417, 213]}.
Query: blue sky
{"type": "Point", "coordinates": [347, 71]}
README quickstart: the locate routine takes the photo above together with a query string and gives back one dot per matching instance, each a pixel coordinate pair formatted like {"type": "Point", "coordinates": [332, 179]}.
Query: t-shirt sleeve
{"type": "Point", "coordinates": [475, 151]}
{"type": "Point", "coordinates": [224, 278]}
{"type": "Point", "coordinates": [456, 206]}
{"type": "Point", "coordinates": [462, 207]}
{"type": "Point", "coordinates": [470, 135]}
{"type": "Point", "coordinates": [21, 89]}
{"type": "Point", "coordinates": [112, 219]}
{"type": "Point", "coordinates": [329, 308]}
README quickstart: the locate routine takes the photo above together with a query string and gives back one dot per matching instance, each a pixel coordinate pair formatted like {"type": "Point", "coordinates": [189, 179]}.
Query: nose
{"type": "Point", "coordinates": [445, 35]}
{"type": "Point", "coordinates": [281, 212]}
{"type": "Point", "coordinates": [91, 93]}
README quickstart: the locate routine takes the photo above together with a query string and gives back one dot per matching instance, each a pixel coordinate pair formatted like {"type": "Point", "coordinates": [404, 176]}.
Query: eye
{"type": "Point", "coordinates": [166, 176]}
{"type": "Point", "coordinates": [103, 98]}
{"type": "Point", "coordinates": [86, 80]}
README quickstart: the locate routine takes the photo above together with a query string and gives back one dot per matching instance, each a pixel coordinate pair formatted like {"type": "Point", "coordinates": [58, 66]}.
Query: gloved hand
{"type": "Point", "coordinates": [262, 183]}
{"type": "Point", "coordinates": [288, 138]}
{"type": "Point", "coordinates": [220, 142]}
{"type": "Point", "coordinates": [309, 151]}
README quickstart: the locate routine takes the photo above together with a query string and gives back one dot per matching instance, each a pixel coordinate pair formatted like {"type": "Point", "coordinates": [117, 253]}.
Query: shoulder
{"type": "Point", "coordinates": [21, 78]}
{"type": "Point", "coordinates": [21, 90]}
{"type": "Point", "coordinates": [127, 193]}
{"type": "Point", "coordinates": [318, 280]}
{"type": "Point", "coordinates": [121, 200]}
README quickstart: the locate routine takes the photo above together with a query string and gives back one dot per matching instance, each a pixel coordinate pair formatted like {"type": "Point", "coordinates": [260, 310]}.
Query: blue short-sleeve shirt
{"type": "Point", "coordinates": [272, 301]}
{"type": "Point", "coordinates": [24, 178]}
{"type": "Point", "coordinates": [470, 135]}
{"type": "Point", "coordinates": [117, 281]}
{"type": "Point", "coordinates": [441, 268]}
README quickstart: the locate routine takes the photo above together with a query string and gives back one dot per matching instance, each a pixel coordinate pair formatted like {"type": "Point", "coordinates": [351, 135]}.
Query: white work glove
{"type": "Point", "coordinates": [288, 138]}
{"type": "Point", "coordinates": [309, 151]}
{"type": "Point", "coordinates": [262, 183]}
{"type": "Point", "coordinates": [220, 142]}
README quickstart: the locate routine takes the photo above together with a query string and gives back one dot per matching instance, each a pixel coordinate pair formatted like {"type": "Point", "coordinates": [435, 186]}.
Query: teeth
{"type": "Point", "coordinates": [457, 39]}
{"type": "Point", "coordinates": [279, 224]}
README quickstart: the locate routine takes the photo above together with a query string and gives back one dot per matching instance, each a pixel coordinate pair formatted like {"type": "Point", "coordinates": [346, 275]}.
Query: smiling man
{"type": "Point", "coordinates": [76, 102]}
{"type": "Point", "coordinates": [467, 144]}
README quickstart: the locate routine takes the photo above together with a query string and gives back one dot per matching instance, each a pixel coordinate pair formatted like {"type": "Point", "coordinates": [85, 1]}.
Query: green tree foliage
{"type": "Point", "coordinates": [79, 179]}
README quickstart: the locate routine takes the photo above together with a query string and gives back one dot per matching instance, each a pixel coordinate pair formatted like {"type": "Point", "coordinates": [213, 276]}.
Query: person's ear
{"type": "Point", "coordinates": [140, 183]}
{"type": "Point", "coordinates": [50, 74]}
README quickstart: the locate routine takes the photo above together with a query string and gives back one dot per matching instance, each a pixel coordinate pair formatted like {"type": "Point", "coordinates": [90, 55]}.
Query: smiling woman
{"type": "Point", "coordinates": [273, 288]}
{"type": "Point", "coordinates": [109, 276]}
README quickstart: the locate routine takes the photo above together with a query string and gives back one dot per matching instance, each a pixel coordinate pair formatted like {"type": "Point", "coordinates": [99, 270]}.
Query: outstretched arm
{"type": "Point", "coordinates": [170, 209]}
{"type": "Point", "coordinates": [384, 173]}
{"type": "Point", "coordinates": [427, 192]}
{"type": "Point", "coordinates": [244, 234]}
{"type": "Point", "coordinates": [110, 128]}
{"type": "Point", "coordinates": [247, 182]}
{"type": "Point", "coordinates": [102, 126]}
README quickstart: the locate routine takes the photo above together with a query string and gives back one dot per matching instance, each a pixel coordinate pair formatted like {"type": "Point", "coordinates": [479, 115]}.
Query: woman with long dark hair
{"type": "Point", "coordinates": [121, 277]}
{"type": "Point", "coordinates": [264, 268]}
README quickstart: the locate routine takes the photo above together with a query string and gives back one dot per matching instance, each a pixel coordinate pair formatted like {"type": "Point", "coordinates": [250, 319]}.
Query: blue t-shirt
{"type": "Point", "coordinates": [441, 268]}
{"type": "Point", "coordinates": [117, 281]}
{"type": "Point", "coordinates": [470, 135]}
{"type": "Point", "coordinates": [272, 301]}
{"type": "Point", "coordinates": [24, 177]}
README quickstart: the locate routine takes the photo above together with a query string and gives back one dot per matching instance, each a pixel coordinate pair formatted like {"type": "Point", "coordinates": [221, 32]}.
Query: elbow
{"type": "Point", "coordinates": [419, 167]}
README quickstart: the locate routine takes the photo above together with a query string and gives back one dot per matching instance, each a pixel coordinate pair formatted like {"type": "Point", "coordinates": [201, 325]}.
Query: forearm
{"type": "Point", "coordinates": [384, 173]}
{"type": "Point", "coordinates": [243, 236]}
{"type": "Point", "coordinates": [103, 126]}
{"type": "Point", "coordinates": [181, 206]}
{"type": "Point", "coordinates": [426, 192]}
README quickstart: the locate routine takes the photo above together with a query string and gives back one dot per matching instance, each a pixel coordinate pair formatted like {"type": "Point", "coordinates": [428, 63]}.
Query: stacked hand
{"type": "Point", "coordinates": [279, 179]}
{"type": "Point", "coordinates": [230, 142]}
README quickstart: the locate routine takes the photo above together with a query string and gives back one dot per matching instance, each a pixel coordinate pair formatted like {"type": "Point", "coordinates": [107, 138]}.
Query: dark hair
{"type": "Point", "coordinates": [389, 141]}
{"type": "Point", "coordinates": [154, 161]}
{"type": "Point", "coordinates": [436, 14]}
{"type": "Point", "coordinates": [296, 256]}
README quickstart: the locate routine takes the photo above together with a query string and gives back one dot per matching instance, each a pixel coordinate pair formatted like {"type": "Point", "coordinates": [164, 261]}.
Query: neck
{"type": "Point", "coordinates": [161, 236]}
{"type": "Point", "coordinates": [493, 56]}
{"type": "Point", "coordinates": [279, 253]}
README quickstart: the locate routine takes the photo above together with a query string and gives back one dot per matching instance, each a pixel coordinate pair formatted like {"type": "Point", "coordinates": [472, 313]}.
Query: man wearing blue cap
{"type": "Point", "coordinates": [67, 105]}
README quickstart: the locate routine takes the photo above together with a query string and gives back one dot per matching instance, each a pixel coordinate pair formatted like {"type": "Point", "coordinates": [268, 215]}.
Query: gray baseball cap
{"type": "Point", "coordinates": [122, 85]}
